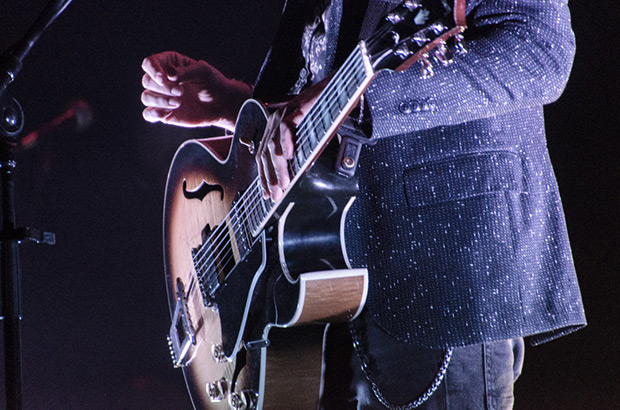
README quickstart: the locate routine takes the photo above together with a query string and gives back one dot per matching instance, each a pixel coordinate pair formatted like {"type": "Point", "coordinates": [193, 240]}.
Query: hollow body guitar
{"type": "Point", "coordinates": [229, 293]}
{"type": "Point", "coordinates": [243, 272]}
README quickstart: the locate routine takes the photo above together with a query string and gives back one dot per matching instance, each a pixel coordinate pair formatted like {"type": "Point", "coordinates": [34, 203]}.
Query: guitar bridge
{"type": "Point", "coordinates": [182, 335]}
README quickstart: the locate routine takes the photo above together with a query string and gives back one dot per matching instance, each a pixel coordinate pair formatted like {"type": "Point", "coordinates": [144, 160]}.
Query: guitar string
{"type": "Point", "coordinates": [350, 68]}
{"type": "Point", "coordinates": [331, 94]}
{"type": "Point", "coordinates": [339, 92]}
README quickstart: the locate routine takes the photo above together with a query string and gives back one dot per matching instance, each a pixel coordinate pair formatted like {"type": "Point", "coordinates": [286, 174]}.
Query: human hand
{"type": "Point", "coordinates": [278, 143]}
{"type": "Point", "coordinates": [189, 93]}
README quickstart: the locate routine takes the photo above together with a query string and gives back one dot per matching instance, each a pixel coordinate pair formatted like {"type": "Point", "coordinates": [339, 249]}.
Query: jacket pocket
{"type": "Point", "coordinates": [463, 177]}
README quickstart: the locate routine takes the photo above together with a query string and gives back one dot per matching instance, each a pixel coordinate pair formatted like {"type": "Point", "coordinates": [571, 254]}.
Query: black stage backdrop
{"type": "Point", "coordinates": [95, 308]}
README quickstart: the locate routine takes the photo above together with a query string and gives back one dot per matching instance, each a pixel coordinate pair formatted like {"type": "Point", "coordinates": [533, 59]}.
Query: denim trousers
{"type": "Point", "coordinates": [478, 377]}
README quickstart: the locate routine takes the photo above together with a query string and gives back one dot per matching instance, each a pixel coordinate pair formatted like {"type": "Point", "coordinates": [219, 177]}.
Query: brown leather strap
{"type": "Point", "coordinates": [460, 10]}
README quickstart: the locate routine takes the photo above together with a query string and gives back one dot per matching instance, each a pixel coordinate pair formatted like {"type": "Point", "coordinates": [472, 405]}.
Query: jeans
{"type": "Point", "coordinates": [477, 377]}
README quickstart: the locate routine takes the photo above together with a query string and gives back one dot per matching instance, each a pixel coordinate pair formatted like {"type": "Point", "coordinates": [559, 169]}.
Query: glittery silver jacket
{"type": "Point", "coordinates": [459, 218]}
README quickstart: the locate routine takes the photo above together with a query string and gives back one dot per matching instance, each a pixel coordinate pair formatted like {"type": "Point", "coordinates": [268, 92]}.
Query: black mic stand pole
{"type": "Point", "coordinates": [11, 124]}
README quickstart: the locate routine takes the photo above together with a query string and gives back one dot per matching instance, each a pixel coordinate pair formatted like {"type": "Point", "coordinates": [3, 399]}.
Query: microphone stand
{"type": "Point", "coordinates": [11, 125]}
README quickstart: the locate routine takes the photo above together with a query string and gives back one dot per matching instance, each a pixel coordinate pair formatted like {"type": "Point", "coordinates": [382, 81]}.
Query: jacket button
{"type": "Point", "coordinates": [404, 107]}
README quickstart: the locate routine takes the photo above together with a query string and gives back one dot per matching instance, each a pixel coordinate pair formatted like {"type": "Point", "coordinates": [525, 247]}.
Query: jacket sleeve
{"type": "Point", "coordinates": [520, 54]}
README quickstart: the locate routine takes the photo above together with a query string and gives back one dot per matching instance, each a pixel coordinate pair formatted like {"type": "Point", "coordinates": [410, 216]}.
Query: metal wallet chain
{"type": "Point", "coordinates": [356, 334]}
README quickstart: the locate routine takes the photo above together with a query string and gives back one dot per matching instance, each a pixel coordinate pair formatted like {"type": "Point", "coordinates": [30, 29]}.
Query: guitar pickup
{"type": "Point", "coordinates": [182, 335]}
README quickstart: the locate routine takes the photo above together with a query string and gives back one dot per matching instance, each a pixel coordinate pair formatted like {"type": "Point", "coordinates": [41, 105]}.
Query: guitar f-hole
{"type": "Point", "coordinates": [202, 190]}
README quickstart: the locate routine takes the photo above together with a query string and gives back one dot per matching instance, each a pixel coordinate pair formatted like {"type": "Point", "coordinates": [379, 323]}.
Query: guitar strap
{"type": "Point", "coordinates": [352, 139]}
{"type": "Point", "coordinates": [355, 134]}
{"type": "Point", "coordinates": [460, 13]}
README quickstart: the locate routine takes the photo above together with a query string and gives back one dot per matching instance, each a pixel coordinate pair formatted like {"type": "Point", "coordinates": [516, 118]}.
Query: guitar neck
{"type": "Point", "coordinates": [330, 110]}
{"type": "Point", "coordinates": [315, 131]}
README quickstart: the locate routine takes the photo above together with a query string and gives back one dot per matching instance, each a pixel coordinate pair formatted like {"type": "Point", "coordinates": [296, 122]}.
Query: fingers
{"type": "Point", "coordinates": [163, 64]}
{"type": "Point", "coordinates": [159, 99]}
{"type": "Point", "coordinates": [153, 114]}
{"type": "Point", "coordinates": [264, 163]}
{"type": "Point", "coordinates": [161, 73]}
{"type": "Point", "coordinates": [272, 158]}
{"type": "Point", "coordinates": [151, 99]}
{"type": "Point", "coordinates": [168, 88]}
{"type": "Point", "coordinates": [269, 179]}
{"type": "Point", "coordinates": [153, 68]}
{"type": "Point", "coordinates": [287, 133]}
{"type": "Point", "coordinates": [278, 145]}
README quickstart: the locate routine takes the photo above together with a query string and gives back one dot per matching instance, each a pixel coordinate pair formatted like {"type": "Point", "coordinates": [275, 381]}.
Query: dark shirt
{"type": "Point", "coordinates": [320, 30]}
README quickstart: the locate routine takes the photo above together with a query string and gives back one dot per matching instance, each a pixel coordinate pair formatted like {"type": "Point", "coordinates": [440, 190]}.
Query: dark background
{"type": "Point", "coordinates": [95, 308]}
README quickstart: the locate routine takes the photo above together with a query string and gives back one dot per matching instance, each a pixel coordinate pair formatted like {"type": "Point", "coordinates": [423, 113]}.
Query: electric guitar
{"type": "Point", "coordinates": [243, 272]}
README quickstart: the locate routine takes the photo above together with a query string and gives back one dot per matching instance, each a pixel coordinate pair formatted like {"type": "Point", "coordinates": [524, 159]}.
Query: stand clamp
{"type": "Point", "coordinates": [20, 235]}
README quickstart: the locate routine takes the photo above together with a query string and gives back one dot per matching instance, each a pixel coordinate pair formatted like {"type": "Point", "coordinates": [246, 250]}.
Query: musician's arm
{"type": "Point", "coordinates": [520, 55]}
{"type": "Point", "coordinates": [189, 93]}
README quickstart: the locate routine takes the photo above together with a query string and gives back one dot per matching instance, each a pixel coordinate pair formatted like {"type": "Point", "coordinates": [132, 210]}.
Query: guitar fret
{"type": "Point", "coordinates": [233, 224]}
{"type": "Point", "coordinates": [253, 217]}
{"type": "Point", "coordinates": [306, 150]}
{"type": "Point", "coordinates": [313, 136]}
{"type": "Point", "coordinates": [299, 159]}
{"type": "Point", "coordinates": [239, 228]}
{"type": "Point", "coordinates": [240, 231]}
{"type": "Point", "coordinates": [263, 207]}
{"type": "Point", "coordinates": [292, 166]}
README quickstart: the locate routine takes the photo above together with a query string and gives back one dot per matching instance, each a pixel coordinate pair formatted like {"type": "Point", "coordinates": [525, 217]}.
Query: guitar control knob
{"type": "Point", "coordinates": [218, 390]}
{"type": "Point", "coordinates": [244, 400]}
{"type": "Point", "coordinates": [217, 351]}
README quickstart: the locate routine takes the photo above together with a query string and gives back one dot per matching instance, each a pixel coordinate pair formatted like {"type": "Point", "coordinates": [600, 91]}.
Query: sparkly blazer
{"type": "Point", "coordinates": [459, 219]}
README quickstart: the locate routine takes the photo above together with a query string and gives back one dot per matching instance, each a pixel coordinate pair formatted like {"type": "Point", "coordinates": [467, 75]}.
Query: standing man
{"type": "Point", "coordinates": [458, 219]}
